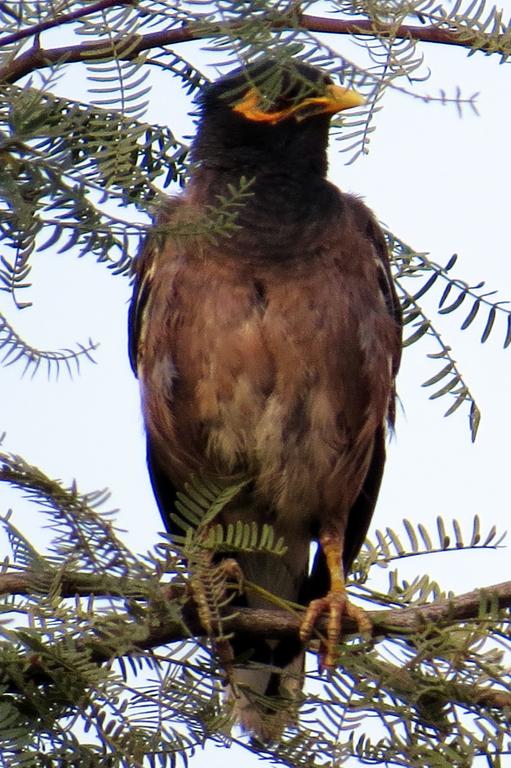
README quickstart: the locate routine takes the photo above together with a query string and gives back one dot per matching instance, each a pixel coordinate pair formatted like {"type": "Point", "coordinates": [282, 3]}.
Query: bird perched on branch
{"type": "Point", "coordinates": [269, 348]}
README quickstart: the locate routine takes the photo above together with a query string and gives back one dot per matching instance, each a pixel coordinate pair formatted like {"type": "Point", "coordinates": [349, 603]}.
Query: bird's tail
{"type": "Point", "coordinates": [267, 677]}
{"type": "Point", "coordinates": [257, 709]}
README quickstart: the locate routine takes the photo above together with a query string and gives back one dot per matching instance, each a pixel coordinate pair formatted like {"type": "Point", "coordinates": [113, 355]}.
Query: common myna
{"type": "Point", "coordinates": [269, 351]}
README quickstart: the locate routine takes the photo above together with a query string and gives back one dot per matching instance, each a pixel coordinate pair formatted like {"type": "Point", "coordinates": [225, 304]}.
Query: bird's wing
{"type": "Point", "coordinates": [141, 290]}
{"type": "Point", "coordinates": [143, 272]}
{"type": "Point", "coordinates": [377, 239]}
{"type": "Point", "coordinates": [362, 510]}
{"type": "Point", "coordinates": [144, 268]}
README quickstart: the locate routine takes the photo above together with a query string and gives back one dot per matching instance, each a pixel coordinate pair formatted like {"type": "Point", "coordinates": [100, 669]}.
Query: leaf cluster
{"type": "Point", "coordinates": [389, 545]}
{"type": "Point", "coordinates": [81, 178]}
{"type": "Point", "coordinates": [68, 170]}
{"type": "Point", "coordinates": [109, 678]}
{"type": "Point", "coordinates": [109, 675]}
{"type": "Point", "coordinates": [410, 267]}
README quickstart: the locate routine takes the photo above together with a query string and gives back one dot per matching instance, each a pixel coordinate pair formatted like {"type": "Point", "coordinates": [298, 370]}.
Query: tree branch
{"type": "Point", "coordinates": [163, 628]}
{"type": "Point", "coordinates": [128, 48]}
{"type": "Point", "coordinates": [277, 624]}
{"type": "Point", "coordinates": [271, 623]}
{"type": "Point", "coordinates": [60, 20]}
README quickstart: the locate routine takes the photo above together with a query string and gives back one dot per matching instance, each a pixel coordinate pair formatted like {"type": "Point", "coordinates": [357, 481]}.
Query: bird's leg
{"type": "Point", "coordinates": [230, 570]}
{"type": "Point", "coordinates": [201, 588]}
{"type": "Point", "coordinates": [208, 598]}
{"type": "Point", "coordinates": [335, 604]}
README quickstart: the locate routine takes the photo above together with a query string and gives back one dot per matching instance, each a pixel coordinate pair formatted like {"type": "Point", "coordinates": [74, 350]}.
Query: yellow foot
{"type": "Point", "coordinates": [336, 605]}
{"type": "Point", "coordinates": [208, 595]}
{"type": "Point", "coordinates": [232, 571]}
{"type": "Point", "coordinates": [225, 571]}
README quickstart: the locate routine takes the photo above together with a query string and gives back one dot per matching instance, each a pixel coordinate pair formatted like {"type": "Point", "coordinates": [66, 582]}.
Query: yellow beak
{"type": "Point", "coordinates": [335, 99]}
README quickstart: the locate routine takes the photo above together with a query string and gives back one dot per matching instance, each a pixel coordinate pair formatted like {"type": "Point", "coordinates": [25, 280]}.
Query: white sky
{"type": "Point", "coordinates": [442, 184]}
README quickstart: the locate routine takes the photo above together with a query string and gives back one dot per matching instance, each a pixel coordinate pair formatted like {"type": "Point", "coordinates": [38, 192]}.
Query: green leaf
{"type": "Point", "coordinates": [489, 324]}
{"type": "Point", "coordinates": [442, 535]}
{"type": "Point", "coordinates": [471, 315]}
{"type": "Point", "coordinates": [455, 304]}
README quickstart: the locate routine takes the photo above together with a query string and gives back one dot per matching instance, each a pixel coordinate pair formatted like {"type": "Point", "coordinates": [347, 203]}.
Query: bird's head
{"type": "Point", "coordinates": [271, 109]}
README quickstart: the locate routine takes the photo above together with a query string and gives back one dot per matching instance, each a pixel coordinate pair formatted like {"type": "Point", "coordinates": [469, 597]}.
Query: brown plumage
{"type": "Point", "coordinates": [271, 351]}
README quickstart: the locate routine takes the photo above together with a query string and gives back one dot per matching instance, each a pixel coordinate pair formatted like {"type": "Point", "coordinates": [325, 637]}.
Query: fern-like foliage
{"type": "Point", "coordinates": [410, 266]}
{"type": "Point", "coordinates": [389, 545]}
{"type": "Point", "coordinates": [456, 293]}
{"type": "Point", "coordinates": [196, 514]}
{"type": "Point", "coordinates": [14, 349]}
{"type": "Point", "coordinates": [82, 536]}
{"type": "Point", "coordinates": [452, 382]}
{"type": "Point", "coordinates": [83, 178]}
{"type": "Point", "coordinates": [130, 717]}
{"type": "Point", "coordinates": [68, 169]}
{"type": "Point", "coordinates": [97, 665]}
{"type": "Point", "coordinates": [481, 24]}
{"type": "Point", "coordinates": [110, 678]}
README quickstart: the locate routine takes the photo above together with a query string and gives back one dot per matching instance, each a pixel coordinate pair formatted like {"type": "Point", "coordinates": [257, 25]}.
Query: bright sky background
{"type": "Point", "coordinates": [441, 183]}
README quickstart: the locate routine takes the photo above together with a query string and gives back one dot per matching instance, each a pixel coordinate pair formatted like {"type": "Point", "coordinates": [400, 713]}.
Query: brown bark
{"type": "Point", "coordinates": [130, 47]}
{"type": "Point", "coordinates": [268, 623]}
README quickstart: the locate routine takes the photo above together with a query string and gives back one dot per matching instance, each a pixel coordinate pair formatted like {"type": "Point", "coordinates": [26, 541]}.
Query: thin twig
{"type": "Point", "coordinates": [59, 20]}
{"type": "Point", "coordinates": [128, 48]}
{"type": "Point", "coordinates": [272, 623]}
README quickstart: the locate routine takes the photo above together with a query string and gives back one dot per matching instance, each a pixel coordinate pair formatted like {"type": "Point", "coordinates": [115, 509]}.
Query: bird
{"type": "Point", "coordinates": [270, 350]}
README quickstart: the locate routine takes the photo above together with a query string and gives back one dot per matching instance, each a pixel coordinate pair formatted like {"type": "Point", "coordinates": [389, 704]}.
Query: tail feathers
{"type": "Point", "coordinates": [266, 682]}
{"type": "Point", "coordinates": [265, 698]}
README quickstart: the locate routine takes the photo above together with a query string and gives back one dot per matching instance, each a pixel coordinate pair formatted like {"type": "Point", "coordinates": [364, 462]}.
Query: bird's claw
{"type": "Point", "coordinates": [231, 570]}
{"type": "Point", "coordinates": [227, 569]}
{"type": "Point", "coordinates": [336, 605]}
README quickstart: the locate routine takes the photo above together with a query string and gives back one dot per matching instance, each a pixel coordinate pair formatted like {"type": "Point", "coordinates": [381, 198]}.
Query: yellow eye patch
{"type": "Point", "coordinates": [335, 99]}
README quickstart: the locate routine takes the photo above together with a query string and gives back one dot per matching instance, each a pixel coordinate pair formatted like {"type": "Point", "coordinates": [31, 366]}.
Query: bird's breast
{"type": "Point", "coordinates": [280, 372]}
